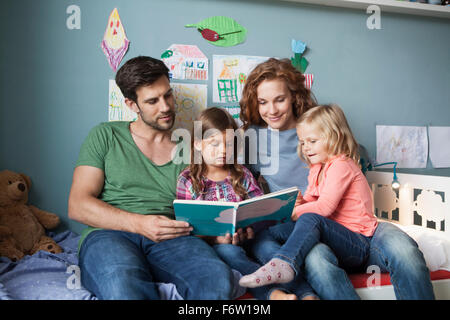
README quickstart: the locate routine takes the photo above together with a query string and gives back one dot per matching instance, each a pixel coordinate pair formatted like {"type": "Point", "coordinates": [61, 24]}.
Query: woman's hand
{"type": "Point", "coordinates": [299, 199]}
{"type": "Point", "coordinates": [294, 216]}
{"type": "Point", "coordinates": [223, 239]}
{"type": "Point", "coordinates": [238, 237]}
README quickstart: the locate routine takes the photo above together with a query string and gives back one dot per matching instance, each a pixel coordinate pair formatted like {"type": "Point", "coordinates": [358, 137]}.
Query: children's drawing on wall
{"type": "Point", "coordinates": [221, 31]}
{"type": "Point", "coordinates": [407, 145]}
{"type": "Point", "coordinates": [190, 100]}
{"type": "Point", "coordinates": [230, 74]}
{"type": "Point", "coordinates": [115, 42]}
{"type": "Point", "coordinates": [234, 111]}
{"type": "Point", "coordinates": [186, 62]}
{"type": "Point", "coordinates": [117, 109]}
{"type": "Point", "coordinates": [439, 146]}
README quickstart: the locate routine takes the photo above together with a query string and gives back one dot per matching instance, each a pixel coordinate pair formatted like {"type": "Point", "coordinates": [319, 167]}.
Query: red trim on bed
{"type": "Point", "coordinates": [246, 296]}
{"type": "Point", "coordinates": [359, 280]}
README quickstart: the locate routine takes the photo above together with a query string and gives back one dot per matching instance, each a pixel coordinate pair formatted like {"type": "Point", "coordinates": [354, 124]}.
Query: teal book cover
{"type": "Point", "coordinates": [204, 216]}
{"type": "Point", "coordinates": [217, 218]}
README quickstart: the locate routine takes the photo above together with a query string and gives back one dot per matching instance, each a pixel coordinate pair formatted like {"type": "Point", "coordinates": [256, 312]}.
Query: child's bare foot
{"type": "Point", "coordinates": [281, 295]}
{"type": "Point", "coordinates": [311, 297]}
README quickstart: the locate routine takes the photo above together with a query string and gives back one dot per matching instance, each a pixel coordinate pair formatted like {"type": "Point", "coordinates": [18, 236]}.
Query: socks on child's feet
{"type": "Point", "coordinates": [274, 271]}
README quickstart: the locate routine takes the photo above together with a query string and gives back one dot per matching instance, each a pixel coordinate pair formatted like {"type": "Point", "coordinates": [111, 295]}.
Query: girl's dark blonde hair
{"type": "Point", "coordinates": [272, 69]}
{"type": "Point", "coordinates": [218, 119]}
{"type": "Point", "coordinates": [330, 121]}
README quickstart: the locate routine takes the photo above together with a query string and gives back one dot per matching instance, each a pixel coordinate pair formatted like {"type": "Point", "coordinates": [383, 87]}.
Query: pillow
{"type": "Point", "coordinates": [435, 246]}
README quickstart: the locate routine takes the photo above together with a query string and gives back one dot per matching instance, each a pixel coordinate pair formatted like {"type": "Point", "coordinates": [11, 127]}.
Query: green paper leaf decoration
{"type": "Point", "coordinates": [296, 61]}
{"type": "Point", "coordinates": [300, 63]}
{"type": "Point", "coordinates": [303, 64]}
{"type": "Point", "coordinates": [222, 25]}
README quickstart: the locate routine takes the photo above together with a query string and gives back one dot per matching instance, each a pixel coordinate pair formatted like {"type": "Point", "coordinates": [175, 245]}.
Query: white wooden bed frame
{"type": "Point", "coordinates": [420, 197]}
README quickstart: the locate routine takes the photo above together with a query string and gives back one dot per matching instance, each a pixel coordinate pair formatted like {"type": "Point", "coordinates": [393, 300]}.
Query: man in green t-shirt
{"type": "Point", "coordinates": [123, 187]}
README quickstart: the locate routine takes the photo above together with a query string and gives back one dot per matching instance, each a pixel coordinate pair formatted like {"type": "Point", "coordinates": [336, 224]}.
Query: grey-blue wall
{"type": "Point", "coordinates": [54, 81]}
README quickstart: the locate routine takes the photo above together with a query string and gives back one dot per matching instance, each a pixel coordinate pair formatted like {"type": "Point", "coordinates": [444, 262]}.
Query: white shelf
{"type": "Point", "coordinates": [406, 7]}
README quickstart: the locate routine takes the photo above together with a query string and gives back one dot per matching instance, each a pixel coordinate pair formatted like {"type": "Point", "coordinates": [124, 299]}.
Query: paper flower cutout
{"type": "Point", "coordinates": [298, 46]}
{"type": "Point", "coordinates": [115, 42]}
{"type": "Point", "coordinates": [298, 61]}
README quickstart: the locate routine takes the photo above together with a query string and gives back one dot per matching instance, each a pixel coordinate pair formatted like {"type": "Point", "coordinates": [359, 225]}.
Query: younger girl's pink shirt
{"type": "Point", "coordinates": [343, 195]}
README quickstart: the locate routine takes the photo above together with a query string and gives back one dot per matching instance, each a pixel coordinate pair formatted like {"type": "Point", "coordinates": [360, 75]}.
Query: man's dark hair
{"type": "Point", "coordinates": [137, 72]}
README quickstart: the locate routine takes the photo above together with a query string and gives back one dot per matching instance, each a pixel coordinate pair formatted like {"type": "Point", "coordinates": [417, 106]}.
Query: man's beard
{"type": "Point", "coordinates": [155, 125]}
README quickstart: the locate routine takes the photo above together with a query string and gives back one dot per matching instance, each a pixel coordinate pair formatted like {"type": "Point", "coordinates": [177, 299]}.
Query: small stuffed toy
{"type": "Point", "coordinates": [22, 226]}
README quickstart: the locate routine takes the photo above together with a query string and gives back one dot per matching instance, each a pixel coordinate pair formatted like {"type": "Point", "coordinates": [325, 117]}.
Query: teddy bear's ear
{"type": "Point", "coordinates": [27, 180]}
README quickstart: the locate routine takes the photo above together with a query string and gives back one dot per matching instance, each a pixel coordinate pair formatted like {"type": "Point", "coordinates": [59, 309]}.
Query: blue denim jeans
{"type": "Point", "coordinates": [123, 265]}
{"type": "Point", "coordinates": [391, 249]}
{"type": "Point", "coordinates": [236, 257]}
{"type": "Point", "coordinates": [298, 238]}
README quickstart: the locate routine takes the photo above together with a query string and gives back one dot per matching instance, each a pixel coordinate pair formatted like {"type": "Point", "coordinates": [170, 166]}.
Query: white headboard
{"type": "Point", "coordinates": [421, 199]}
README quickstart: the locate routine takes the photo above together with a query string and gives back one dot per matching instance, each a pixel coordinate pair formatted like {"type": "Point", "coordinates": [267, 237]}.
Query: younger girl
{"type": "Point", "coordinates": [336, 208]}
{"type": "Point", "coordinates": [216, 177]}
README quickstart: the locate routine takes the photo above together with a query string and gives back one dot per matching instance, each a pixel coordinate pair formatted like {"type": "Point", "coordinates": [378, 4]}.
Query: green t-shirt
{"type": "Point", "coordinates": [132, 181]}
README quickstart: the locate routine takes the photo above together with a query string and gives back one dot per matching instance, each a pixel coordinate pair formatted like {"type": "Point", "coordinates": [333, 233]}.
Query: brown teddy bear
{"type": "Point", "coordinates": [22, 226]}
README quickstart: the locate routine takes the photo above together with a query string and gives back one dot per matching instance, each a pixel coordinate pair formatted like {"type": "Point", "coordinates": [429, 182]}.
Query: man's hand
{"type": "Point", "coordinates": [159, 228]}
{"type": "Point", "coordinates": [85, 207]}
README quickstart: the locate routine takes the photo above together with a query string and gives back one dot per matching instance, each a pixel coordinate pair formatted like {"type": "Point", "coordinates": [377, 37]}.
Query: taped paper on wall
{"type": "Point", "coordinates": [221, 31]}
{"type": "Point", "coordinates": [115, 42]}
{"type": "Point", "coordinates": [186, 62]}
{"type": "Point", "coordinates": [234, 111]}
{"type": "Point", "coordinates": [190, 100]}
{"type": "Point", "coordinates": [230, 74]}
{"type": "Point", "coordinates": [117, 109]}
{"type": "Point", "coordinates": [406, 145]}
{"type": "Point", "coordinates": [439, 146]}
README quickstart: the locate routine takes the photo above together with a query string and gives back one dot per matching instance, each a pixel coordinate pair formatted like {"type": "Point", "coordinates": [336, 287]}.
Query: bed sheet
{"type": "Point", "coordinates": [44, 276]}
{"type": "Point", "coordinates": [48, 276]}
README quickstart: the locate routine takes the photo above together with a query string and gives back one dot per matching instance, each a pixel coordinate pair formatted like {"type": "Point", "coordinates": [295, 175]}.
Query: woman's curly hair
{"type": "Point", "coordinates": [303, 98]}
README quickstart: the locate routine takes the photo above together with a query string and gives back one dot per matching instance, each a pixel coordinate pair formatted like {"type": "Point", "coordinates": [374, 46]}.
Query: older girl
{"type": "Point", "coordinates": [214, 176]}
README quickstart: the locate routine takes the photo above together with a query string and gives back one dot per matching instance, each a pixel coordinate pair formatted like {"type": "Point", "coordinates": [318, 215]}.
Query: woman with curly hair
{"type": "Point", "coordinates": [274, 97]}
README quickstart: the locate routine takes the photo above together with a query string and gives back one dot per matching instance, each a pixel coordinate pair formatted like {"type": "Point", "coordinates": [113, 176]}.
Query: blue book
{"type": "Point", "coordinates": [217, 218]}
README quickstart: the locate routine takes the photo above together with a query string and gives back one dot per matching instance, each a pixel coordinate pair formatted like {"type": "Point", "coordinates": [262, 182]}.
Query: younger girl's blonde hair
{"type": "Point", "coordinates": [330, 121]}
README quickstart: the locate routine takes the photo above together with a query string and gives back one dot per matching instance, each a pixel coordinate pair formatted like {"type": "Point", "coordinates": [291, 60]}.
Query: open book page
{"type": "Point", "coordinates": [266, 210]}
{"type": "Point", "coordinates": [217, 218]}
